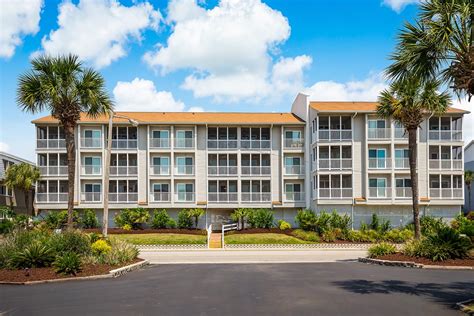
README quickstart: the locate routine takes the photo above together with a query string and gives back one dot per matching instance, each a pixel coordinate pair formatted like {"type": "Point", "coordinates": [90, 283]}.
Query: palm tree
{"type": "Point", "coordinates": [65, 88]}
{"type": "Point", "coordinates": [409, 102]}
{"type": "Point", "coordinates": [468, 178]}
{"type": "Point", "coordinates": [195, 214]}
{"type": "Point", "coordinates": [441, 42]}
{"type": "Point", "coordinates": [22, 177]}
{"type": "Point", "coordinates": [239, 216]}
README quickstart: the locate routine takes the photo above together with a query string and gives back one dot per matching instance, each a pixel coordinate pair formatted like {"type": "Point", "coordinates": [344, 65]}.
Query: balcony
{"type": "Point", "coordinates": [187, 170]}
{"type": "Point", "coordinates": [51, 197]}
{"type": "Point", "coordinates": [53, 170]}
{"type": "Point", "coordinates": [402, 163]}
{"type": "Point", "coordinates": [446, 193]}
{"type": "Point", "coordinates": [91, 170]}
{"type": "Point", "coordinates": [294, 196]}
{"type": "Point", "coordinates": [335, 135]}
{"type": "Point", "coordinates": [184, 143]}
{"type": "Point", "coordinates": [123, 170]}
{"type": "Point", "coordinates": [50, 143]}
{"type": "Point", "coordinates": [378, 133]}
{"type": "Point", "coordinates": [446, 164]}
{"type": "Point", "coordinates": [91, 143]}
{"type": "Point", "coordinates": [123, 197]}
{"type": "Point", "coordinates": [160, 143]}
{"type": "Point", "coordinates": [294, 170]}
{"type": "Point", "coordinates": [335, 193]}
{"type": "Point", "coordinates": [380, 192]}
{"type": "Point", "coordinates": [160, 170]}
{"type": "Point", "coordinates": [184, 197]}
{"type": "Point", "coordinates": [445, 135]}
{"type": "Point", "coordinates": [255, 144]}
{"type": "Point", "coordinates": [293, 143]}
{"type": "Point", "coordinates": [263, 197]}
{"type": "Point", "coordinates": [124, 143]}
{"type": "Point", "coordinates": [403, 192]}
{"type": "Point", "coordinates": [91, 197]}
{"type": "Point", "coordinates": [335, 164]}
{"type": "Point", "coordinates": [222, 171]}
{"type": "Point", "coordinates": [379, 163]}
{"type": "Point", "coordinates": [223, 197]}
{"type": "Point", "coordinates": [214, 144]}
{"type": "Point", "coordinates": [400, 134]}
{"type": "Point", "coordinates": [160, 197]}
{"type": "Point", "coordinates": [255, 171]}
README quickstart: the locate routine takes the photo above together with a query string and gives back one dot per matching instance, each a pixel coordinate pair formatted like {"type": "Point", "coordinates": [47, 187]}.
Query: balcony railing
{"type": "Point", "coordinates": [213, 144]}
{"type": "Point", "coordinates": [160, 197]}
{"type": "Point", "coordinates": [184, 143]}
{"type": "Point", "coordinates": [400, 133]}
{"type": "Point", "coordinates": [403, 192]}
{"type": "Point", "coordinates": [446, 193]}
{"type": "Point", "coordinates": [294, 196]}
{"type": "Point", "coordinates": [380, 192]}
{"type": "Point", "coordinates": [160, 170]}
{"type": "Point", "coordinates": [91, 170]}
{"type": "Point", "coordinates": [91, 197]}
{"type": "Point", "coordinates": [379, 133]}
{"type": "Point", "coordinates": [91, 142]}
{"type": "Point", "coordinates": [255, 171]}
{"type": "Point", "coordinates": [335, 163]}
{"type": "Point", "coordinates": [182, 197]}
{"type": "Point", "coordinates": [294, 143]}
{"type": "Point", "coordinates": [222, 171]}
{"type": "Point", "coordinates": [335, 193]}
{"type": "Point", "coordinates": [223, 197]}
{"type": "Point", "coordinates": [123, 170]}
{"type": "Point", "coordinates": [446, 135]}
{"type": "Point", "coordinates": [446, 164]}
{"type": "Point", "coordinates": [379, 163]}
{"type": "Point", "coordinates": [255, 144]}
{"type": "Point", "coordinates": [53, 170]}
{"type": "Point", "coordinates": [159, 143]}
{"type": "Point", "coordinates": [123, 197]}
{"type": "Point", "coordinates": [335, 135]}
{"type": "Point", "coordinates": [402, 163]}
{"type": "Point", "coordinates": [124, 143]}
{"type": "Point", "coordinates": [51, 143]}
{"type": "Point", "coordinates": [184, 170]}
{"type": "Point", "coordinates": [51, 197]}
{"type": "Point", "coordinates": [262, 197]}
{"type": "Point", "coordinates": [294, 170]}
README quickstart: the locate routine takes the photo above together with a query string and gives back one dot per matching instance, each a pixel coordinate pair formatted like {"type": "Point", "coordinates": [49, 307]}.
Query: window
{"type": "Point", "coordinates": [90, 188]}
{"type": "Point", "coordinates": [185, 191]}
{"type": "Point", "coordinates": [292, 161]}
{"type": "Point", "coordinates": [94, 134]}
{"type": "Point", "coordinates": [401, 153]}
{"type": "Point", "coordinates": [4, 190]}
{"type": "Point", "coordinates": [295, 135]}
{"type": "Point", "coordinates": [161, 161]}
{"type": "Point", "coordinates": [377, 158]}
{"type": "Point", "coordinates": [376, 123]}
{"type": "Point", "coordinates": [184, 165]}
{"type": "Point", "coordinates": [377, 187]}
{"type": "Point", "coordinates": [403, 183]}
{"type": "Point", "coordinates": [161, 188]}
{"type": "Point", "coordinates": [92, 165]}
{"type": "Point", "coordinates": [293, 191]}
{"type": "Point", "coordinates": [184, 134]}
{"type": "Point", "coordinates": [161, 134]}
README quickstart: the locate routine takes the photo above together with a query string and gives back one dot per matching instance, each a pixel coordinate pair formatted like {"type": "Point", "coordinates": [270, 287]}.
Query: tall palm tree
{"type": "Point", "coordinates": [440, 42]}
{"type": "Point", "coordinates": [62, 86]}
{"type": "Point", "coordinates": [409, 102]}
{"type": "Point", "coordinates": [22, 177]}
{"type": "Point", "coordinates": [468, 178]}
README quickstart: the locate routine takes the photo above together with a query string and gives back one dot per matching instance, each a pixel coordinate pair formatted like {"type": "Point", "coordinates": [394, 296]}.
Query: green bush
{"type": "Point", "coordinates": [306, 220]}
{"type": "Point", "coordinates": [134, 217]}
{"type": "Point", "coordinates": [380, 226]}
{"type": "Point", "coordinates": [261, 218]}
{"type": "Point", "coordinates": [171, 223]}
{"type": "Point", "coordinates": [6, 226]}
{"type": "Point", "coordinates": [100, 247]}
{"type": "Point", "coordinates": [398, 236]}
{"type": "Point", "coordinates": [329, 235]}
{"type": "Point", "coordinates": [196, 213]}
{"type": "Point", "coordinates": [93, 237]}
{"type": "Point", "coordinates": [58, 219]}
{"type": "Point", "coordinates": [121, 252]}
{"type": "Point", "coordinates": [89, 219]}
{"type": "Point", "coordinates": [306, 235]}
{"type": "Point", "coordinates": [67, 263]}
{"type": "Point", "coordinates": [70, 241]}
{"type": "Point", "coordinates": [184, 219]}
{"type": "Point", "coordinates": [160, 219]}
{"type": "Point", "coordinates": [283, 225]}
{"type": "Point", "coordinates": [431, 225]}
{"type": "Point", "coordinates": [6, 211]}
{"type": "Point", "coordinates": [35, 255]}
{"type": "Point", "coordinates": [381, 249]}
{"type": "Point", "coordinates": [464, 225]}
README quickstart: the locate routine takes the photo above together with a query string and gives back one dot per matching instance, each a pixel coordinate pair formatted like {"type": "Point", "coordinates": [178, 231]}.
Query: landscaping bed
{"type": "Point", "coordinates": [163, 238]}
{"type": "Point", "coordinates": [118, 231]}
{"type": "Point", "coordinates": [468, 262]}
{"type": "Point", "coordinates": [262, 238]}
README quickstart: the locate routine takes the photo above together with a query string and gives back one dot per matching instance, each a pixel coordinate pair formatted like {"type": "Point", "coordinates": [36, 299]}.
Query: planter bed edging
{"type": "Point", "coordinates": [411, 264]}
{"type": "Point", "coordinates": [463, 305]}
{"type": "Point", "coordinates": [300, 246]}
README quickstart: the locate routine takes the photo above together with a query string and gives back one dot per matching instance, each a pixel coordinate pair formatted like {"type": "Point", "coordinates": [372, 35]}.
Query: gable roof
{"type": "Point", "coordinates": [358, 106]}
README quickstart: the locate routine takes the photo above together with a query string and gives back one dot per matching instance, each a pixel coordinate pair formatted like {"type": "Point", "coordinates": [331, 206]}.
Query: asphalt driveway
{"type": "Point", "coordinates": [342, 288]}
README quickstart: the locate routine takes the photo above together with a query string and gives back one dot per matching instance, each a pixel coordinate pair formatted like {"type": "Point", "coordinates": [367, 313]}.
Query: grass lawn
{"type": "Point", "coordinates": [264, 238]}
{"type": "Point", "coordinates": [163, 239]}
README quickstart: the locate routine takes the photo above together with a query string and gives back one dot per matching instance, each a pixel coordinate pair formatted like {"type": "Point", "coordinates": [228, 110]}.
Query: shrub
{"type": "Point", "coordinates": [134, 217]}
{"type": "Point", "coordinates": [430, 225]}
{"type": "Point", "coordinates": [35, 255]}
{"type": "Point", "coordinates": [381, 249]}
{"type": "Point", "coordinates": [305, 235]}
{"type": "Point", "coordinates": [464, 225]}
{"type": "Point", "coordinates": [89, 219]}
{"type": "Point", "coordinates": [398, 236]}
{"type": "Point", "coordinates": [21, 221]}
{"type": "Point", "coordinates": [195, 214]}
{"type": "Point", "coordinates": [68, 263]}
{"type": "Point", "coordinates": [306, 220]}
{"type": "Point", "coordinates": [355, 236]}
{"type": "Point", "coordinates": [184, 219]}
{"type": "Point", "coordinates": [100, 247]}
{"type": "Point", "coordinates": [6, 226]}
{"type": "Point", "coordinates": [70, 241]}
{"type": "Point", "coordinates": [378, 225]}
{"type": "Point", "coordinates": [6, 211]}
{"type": "Point", "coordinates": [343, 222]}
{"type": "Point", "coordinates": [171, 223]}
{"type": "Point", "coordinates": [329, 236]}
{"type": "Point", "coordinates": [261, 218]}
{"type": "Point", "coordinates": [127, 227]}
{"type": "Point", "coordinates": [94, 237]}
{"type": "Point", "coordinates": [121, 252]}
{"type": "Point", "coordinates": [283, 225]}
{"type": "Point", "coordinates": [58, 219]}
{"type": "Point", "coordinates": [160, 219]}
{"type": "Point", "coordinates": [323, 222]}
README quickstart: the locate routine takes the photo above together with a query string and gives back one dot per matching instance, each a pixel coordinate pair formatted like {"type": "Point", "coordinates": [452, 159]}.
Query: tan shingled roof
{"type": "Point", "coordinates": [190, 118]}
{"type": "Point", "coordinates": [326, 106]}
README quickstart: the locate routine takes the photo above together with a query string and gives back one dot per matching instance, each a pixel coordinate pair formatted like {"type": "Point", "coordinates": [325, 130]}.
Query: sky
{"type": "Point", "coordinates": [204, 55]}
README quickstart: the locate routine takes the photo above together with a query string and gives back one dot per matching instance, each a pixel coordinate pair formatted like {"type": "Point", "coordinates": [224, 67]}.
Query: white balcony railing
{"type": "Point", "coordinates": [159, 143]}
{"type": "Point", "coordinates": [402, 163]}
{"type": "Point", "coordinates": [255, 144]}
{"type": "Point", "coordinates": [160, 196]}
{"type": "Point", "coordinates": [446, 135]}
{"type": "Point", "coordinates": [123, 197]}
{"type": "Point", "coordinates": [294, 143]}
{"type": "Point", "coordinates": [379, 163]}
{"type": "Point", "coordinates": [91, 143]}
{"type": "Point", "coordinates": [446, 164]}
{"type": "Point", "coordinates": [91, 170]}
{"type": "Point", "coordinates": [256, 197]}
{"type": "Point", "coordinates": [183, 197]}
{"type": "Point", "coordinates": [335, 135]}
{"type": "Point", "coordinates": [446, 193]}
{"type": "Point", "coordinates": [380, 192]}
{"type": "Point", "coordinates": [335, 163]}
{"type": "Point", "coordinates": [124, 143]}
{"type": "Point", "coordinates": [123, 170]}
{"type": "Point", "coordinates": [403, 192]}
{"type": "Point", "coordinates": [294, 196]}
{"type": "Point", "coordinates": [294, 170]}
{"type": "Point", "coordinates": [400, 133]}
{"type": "Point", "coordinates": [222, 170]}
{"type": "Point", "coordinates": [184, 170]}
{"type": "Point", "coordinates": [213, 144]}
{"type": "Point", "coordinates": [184, 143]}
{"type": "Point", "coordinates": [223, 197]}
{"type": "Point", "coordinates": [160, 170]}
{"type": "Point", "coordinates": [51, 197]}
{"type": "Point", "coordinates": [379, 133]}
{"type": "Point", "coordinates": [53, 170]}
{"type": "Point", "coordinates": [51, 143]}
{"type": "Point", "coordinates": [255, 171]}
{"type": "Point", "coordinates": [91, 197]}
{"type": "Point", "coordinates": [335, 193]}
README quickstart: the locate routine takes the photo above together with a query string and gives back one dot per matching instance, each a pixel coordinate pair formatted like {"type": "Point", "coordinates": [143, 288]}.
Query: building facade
{"type": "Point", "coordinates": [321, 155]}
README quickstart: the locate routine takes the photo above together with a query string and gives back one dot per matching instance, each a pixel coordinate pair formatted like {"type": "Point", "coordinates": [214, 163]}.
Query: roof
{"type": "Point", "coordinates": [359, 106]}
{"type": "Point", "coordinates": [189, 118]}
{"type": "Point", "coordinates": [15, 159]}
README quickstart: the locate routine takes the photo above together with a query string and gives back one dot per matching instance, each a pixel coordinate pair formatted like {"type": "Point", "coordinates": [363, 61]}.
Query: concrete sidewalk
{"type": "Point", "coordinates": [249, 256]}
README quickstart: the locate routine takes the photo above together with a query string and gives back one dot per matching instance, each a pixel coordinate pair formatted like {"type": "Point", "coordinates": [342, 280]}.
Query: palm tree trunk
{"type": "Point", "coordinates": [71, 170]}
{"type": "Point", "coordinates": [26, 193]}
{"type": "Point", "coordinates": [412, 154]}
{"type": "Point", "coordinates": [469, 194]}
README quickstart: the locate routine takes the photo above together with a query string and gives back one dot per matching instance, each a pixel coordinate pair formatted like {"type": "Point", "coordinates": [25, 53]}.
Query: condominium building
{"type": "Point", "coordinates": [321, 155]}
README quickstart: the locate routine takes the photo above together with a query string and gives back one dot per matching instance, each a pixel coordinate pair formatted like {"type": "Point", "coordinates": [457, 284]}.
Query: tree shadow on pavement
{"type": "Point", "coordinates": [447, 294]}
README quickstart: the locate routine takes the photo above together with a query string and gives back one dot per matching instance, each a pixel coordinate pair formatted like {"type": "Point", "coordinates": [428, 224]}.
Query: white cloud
{"type": "Point", "coordinates": [468, 121]}
{"type": "Point", "coordinates": [195, 109]}
{"type": "Point", "coordinates": [4, 147]}
{"type": "Point", "coordinates": [17, 18]}
{"type": "Point", "coordinates": [398, 5]}
{"type": "Point", "coordinates": [99, 30]}
{"type": "Point", "coordinates": [141, 95]}
{"type": "Point", "coordinates": [365, 90]}
{"type": "Point", "coordinates": [228, 49]}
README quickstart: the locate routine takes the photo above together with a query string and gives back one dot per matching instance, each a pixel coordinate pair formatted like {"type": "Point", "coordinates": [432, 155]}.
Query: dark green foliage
{"type": "Point", "coordinates": [6, 226]}
{"type": "Point", "coordinates": [58, 219]}
{"type": "Point", "coordinates": [93, 237]}
{"type": "Point", "coordinates": [306, 235]}
{"type": "Point", "coordinates": [261, 218]}
{"type": "Point", "coordinates": [464, 225]}
{"type": "Point", "coordinates": [6, 211]}
{"type": "Point", "coordinates": [323, 222]}
{"type": "Point", "coordinates": [306, 220]}
{"type": "Point", "coordinates": [133, 217]}
{"type": "Point", "coordinates": [89, 219]}
{"type": "Point", "coordinates": [70, 241]}
{"type": "Point", "coordinates": [381, 249]}
{"type": "Point", "coordinates": [160, 220]}
{"type": "Point", "coordinates": [381, 226]}
{"type": "Point", "coordinates": [431, 225]}
{"type": "Point", "coordinates": [35, 255]}
{"type": "Point", "coordinates": [67, 263]}
{"type": "Point", "coordinates": [184, 219]}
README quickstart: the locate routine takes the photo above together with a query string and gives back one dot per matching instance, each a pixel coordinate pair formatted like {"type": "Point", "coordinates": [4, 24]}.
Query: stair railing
{"type": "Point", "coordinates": [226, 228]}
{"type": "Point", "coordinates": [209, 231]}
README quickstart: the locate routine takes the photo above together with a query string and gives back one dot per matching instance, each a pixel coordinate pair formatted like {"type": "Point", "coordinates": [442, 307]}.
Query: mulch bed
{"type": "Point", "coordinates": [41, 274]}
{"type": "Point", "coordinates": [262, 231]}
{"type": "Point", "coordinates": [451, 262]}
{"type": "Point", "coordinates": [149, 231]}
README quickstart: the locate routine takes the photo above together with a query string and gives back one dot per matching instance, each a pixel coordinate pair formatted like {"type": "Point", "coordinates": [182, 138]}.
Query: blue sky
{"type": "Point", "coordinates": [180, 55]}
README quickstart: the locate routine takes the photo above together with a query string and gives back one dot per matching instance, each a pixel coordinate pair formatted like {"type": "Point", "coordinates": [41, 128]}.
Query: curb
{"type": "Point", "coordinates": [462, 305]}
{"type": "Point", "coordinates": [411, 264]}
{"type": "Point", "coordinates": [112, 274]}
